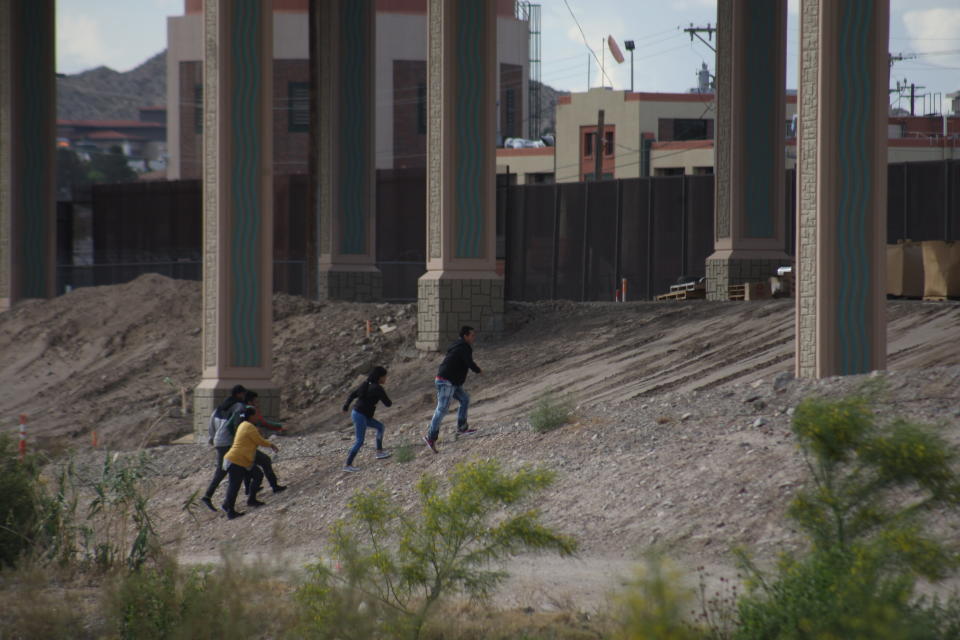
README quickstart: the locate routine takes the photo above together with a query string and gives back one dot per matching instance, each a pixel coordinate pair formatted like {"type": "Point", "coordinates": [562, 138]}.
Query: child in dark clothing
{"type": "Point", "coordinates": [367, 395]}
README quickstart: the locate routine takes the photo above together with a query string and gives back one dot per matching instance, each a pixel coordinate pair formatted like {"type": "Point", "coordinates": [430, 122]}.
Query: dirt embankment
{"type": "Point", "coordinates": [681, 439]}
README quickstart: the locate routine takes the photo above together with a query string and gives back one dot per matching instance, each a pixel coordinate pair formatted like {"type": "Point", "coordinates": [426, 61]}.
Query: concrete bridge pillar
{"type": "Point", "coordinates": [27, 151]}
{"type": "Point", "coordinates": [461, 286]}
{"type": "Point", "coordinates": [842, 187]}
{"type": "Point", "coordinates": [344, 51]}
{"type": "Point", "coordinates": [237, 205]}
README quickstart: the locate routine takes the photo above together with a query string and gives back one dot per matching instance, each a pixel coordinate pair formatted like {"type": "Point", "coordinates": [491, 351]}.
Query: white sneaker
{"type": "Point", "coordinates": [350, 468]}
{"type": "Point", "coordinates": [383, 455]}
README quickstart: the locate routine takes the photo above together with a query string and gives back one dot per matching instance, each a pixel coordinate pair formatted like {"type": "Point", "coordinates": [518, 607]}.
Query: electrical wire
{"type": "Point", "coordinates": [585, 43]}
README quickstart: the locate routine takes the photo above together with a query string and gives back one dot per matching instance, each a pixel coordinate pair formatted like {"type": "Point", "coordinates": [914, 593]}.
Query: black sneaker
{"type": "Point", "coordinates": [207, 501]}
{"type": "Point", "coordinates": [465, 431]}
{"type": "Point", "coordinates": [279, 488]}
{"type": "Point", "coordinates": [431, 443]}
{"type": "Point", "coordinates": [253, 502]}
{"type": "Point", "coordinates": [232, 515]}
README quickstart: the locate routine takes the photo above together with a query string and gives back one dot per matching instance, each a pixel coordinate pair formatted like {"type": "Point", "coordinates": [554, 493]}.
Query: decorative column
{"type": "Point", "coordinates": [749, 234]}
{"type": "Point", "coordinates": [237, 205]}
{"type": "Point", "coordinates": [27, 148]}
{"type": "Point", "coordinates": [842, 187]}
{"type": "Point", "coordinates": [346, 188]}
{"type": "Point", "coordinates": [461, 286]}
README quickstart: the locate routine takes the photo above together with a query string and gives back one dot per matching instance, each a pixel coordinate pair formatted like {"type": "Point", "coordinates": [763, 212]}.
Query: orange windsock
{"type": "Point", "coordinates": [615, 49]}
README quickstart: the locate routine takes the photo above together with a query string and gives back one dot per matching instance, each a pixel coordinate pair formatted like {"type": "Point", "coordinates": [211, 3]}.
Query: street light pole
{"type": "Point", "coordinates": [629, 44]}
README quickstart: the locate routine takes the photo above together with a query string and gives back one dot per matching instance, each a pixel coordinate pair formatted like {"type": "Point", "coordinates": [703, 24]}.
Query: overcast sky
{"type": "Point", "coordinates": [123, 33]}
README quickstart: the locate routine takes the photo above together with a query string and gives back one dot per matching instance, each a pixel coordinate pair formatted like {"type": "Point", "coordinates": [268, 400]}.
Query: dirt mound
{"type": "Point", "coordinates": [113, 359]}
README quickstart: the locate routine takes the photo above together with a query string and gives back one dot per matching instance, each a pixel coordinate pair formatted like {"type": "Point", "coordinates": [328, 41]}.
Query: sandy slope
{"type": "Point", "coordinates": [681, 440]}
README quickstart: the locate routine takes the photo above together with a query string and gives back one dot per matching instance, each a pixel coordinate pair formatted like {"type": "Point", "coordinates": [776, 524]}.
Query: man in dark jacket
{"type": "Point", "coordinates": [449, 382]}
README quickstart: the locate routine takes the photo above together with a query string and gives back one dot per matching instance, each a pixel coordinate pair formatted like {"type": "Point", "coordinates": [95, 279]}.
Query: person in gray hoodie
{"type": "Point", "coordinates": [221, 429]}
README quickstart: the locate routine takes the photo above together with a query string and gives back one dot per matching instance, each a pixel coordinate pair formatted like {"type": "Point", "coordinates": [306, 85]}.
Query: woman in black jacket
{"type": "Point", "coordinates": [367, 395]}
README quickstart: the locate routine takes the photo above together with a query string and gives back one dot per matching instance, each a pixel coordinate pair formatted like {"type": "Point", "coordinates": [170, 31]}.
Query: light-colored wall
{"type": "Point", "coordinates": [513, 48]}
{"type": "Point", "coordinates": [184, 42]}
{"type": "Point", "coordinates": [411, 46]}
{"type": "Point", "coordinates": [524, 161]}
{"type": "Point", "coordinates": [633, 115]}
{"type": "Point", "coordinates": [686, 158]}
{"type": "Point", "coordinates": [897, 152]}
{"type": "Point", "coordinates": [582, 110]}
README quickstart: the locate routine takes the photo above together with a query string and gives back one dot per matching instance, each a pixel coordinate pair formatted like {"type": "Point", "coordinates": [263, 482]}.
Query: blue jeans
{"type": "Point", "coordinates": [445, 391]}
{"type": "Point", "coordinates": [361, 423]}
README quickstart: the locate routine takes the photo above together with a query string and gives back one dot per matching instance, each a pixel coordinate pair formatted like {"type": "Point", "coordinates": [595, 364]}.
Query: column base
{"type": "Point", "coordinates": [362, 285]}
{"type": "Point", "coordinates": [446, 302]}
{"type": "Point", "coordinates": [739, 268]}
{"type": "Point", "coordinates": [210, 393]}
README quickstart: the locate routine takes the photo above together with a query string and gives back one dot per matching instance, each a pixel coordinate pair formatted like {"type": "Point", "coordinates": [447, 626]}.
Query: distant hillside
{"type": "Point", "coordinates": [105, 94]}
{"type": "Point", "coordinates": [548, 107]}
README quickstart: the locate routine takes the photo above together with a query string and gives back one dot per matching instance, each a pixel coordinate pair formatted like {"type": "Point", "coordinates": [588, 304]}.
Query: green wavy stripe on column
{"type": "Point", "coordinates": [354, 50]}
{"type": "Point", "coordinates": [245, 187]}
{"type": "Point", "coordinates": [855, 179]}
{"type": "Point", "coordinates": [36, 107]}
{"type": "Point", "coordinates": [760, 140]}
{"type": "Point", "coordinates": [470, 126]}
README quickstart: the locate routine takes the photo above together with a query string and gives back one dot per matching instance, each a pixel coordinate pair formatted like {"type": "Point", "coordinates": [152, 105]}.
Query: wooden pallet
{"type": "Point", "coordinates": [689, 294]}
{"type": "Point", "coordinates": [748, 291]}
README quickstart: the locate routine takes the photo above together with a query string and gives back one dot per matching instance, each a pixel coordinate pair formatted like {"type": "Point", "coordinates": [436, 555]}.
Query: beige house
{"type": "Point", "coordinates": [664, 134]}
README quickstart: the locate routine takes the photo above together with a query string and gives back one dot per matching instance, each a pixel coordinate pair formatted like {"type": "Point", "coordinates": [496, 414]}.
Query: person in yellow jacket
{"type": "Point", "coordinates": [239, 463]}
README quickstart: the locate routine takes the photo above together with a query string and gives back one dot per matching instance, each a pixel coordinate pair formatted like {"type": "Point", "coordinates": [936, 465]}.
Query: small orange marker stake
{"type": "Point", "coordinates": [23, 435]}
{"type": "Point", "coordinates": [369, 328]}
{"type": "Point", "coordinates": [93, 438]}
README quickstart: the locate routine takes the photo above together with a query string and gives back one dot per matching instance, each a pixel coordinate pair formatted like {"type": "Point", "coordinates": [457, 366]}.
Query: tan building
{"type": "Point", "coordinates": [912, 139]}
{"type": "Point", "coordinates": [632, 121]}
{"type": "Point", "coordinates": [401, 81]}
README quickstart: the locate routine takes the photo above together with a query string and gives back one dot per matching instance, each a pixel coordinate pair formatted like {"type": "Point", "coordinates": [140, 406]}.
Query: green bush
{"type": "Point", "coordinates": [653, 606]}
{"type": "Point", "coordinates": [551, 412]}
{"type": "Point", "coordinates": [865, 511]}
{"type": "Point", "coordinates": [389, 568]}
{"type": "Point", "coordinates": [20, 503]}
{"type": "Point", "coordinates": [404, 453]}
{"type": "Point", "coordinates": [164, 600]}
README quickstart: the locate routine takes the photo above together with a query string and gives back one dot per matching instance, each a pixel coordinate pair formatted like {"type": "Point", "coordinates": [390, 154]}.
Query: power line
{"type": "Point", "coordinates": [587, 44]}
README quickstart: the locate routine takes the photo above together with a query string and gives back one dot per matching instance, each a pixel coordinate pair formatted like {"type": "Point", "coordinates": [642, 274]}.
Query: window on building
{"type": "Point", "coordinates": [608, 143]}
{"type": "Point", "coordinates": [198, 108]}
{"type": "Point", "coordinates": [422, 108]}
{"type": "Point", "coordinates": [538, 178]}
{"type": "Point", "coordinates": [510, 111]}
{"type": "Point", "coordinates": [299, 112]}
{"type": "Point", "coordinates": [703, 171]}
{"type": "Point", "coordinates": [685, 129]}
{"type": "Point", "coordinates": [689, 129]}
{"type": "Point", "coordinates": [588, 144]}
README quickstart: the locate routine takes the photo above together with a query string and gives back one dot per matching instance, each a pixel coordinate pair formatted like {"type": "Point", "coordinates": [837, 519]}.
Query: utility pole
{"type": "Point", "coordinates": [598, 148]}
{"type": "Point", "coordinates": [630, 45]}
{"type": "Point", "coordinates": [696, 31]}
